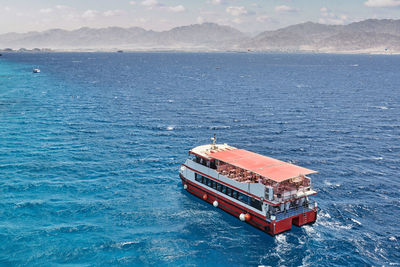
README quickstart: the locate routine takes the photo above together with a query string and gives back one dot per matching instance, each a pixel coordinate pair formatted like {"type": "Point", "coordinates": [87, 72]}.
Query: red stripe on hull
{"type": "Point", "coordinates": [256, 220]}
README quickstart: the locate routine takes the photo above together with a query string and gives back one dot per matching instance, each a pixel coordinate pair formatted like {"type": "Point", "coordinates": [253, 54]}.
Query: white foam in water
{"type": "Point", "coordinates": [306, 260]}
{"type": "Point", "coordinates": [326, 182]}
{"type": "Point", "coordinates": [311, 232]}
{"type": "Point", "coordinates": [323, 214]}
{"type": "Point", "coordinates": [122, 244]}
{"type": "Point", "coordinates": [354, 220]}
{"type": "Point", "coordinates": [302, 85]}
{"type": "Point", "coordinates": [280, 239]}
{"type": "Point", "coordinates": [282, 246]}
{"type": "Point", "coordinates": [335, 225]}
{"type": "Point", "coordinates": [381, 107]}
{"type": "Point", "coordinates": [392, 238]}
{"type": "Point", "coordinates": [219, 127]}
{"type": "Point", "coordinates": [170, 128]}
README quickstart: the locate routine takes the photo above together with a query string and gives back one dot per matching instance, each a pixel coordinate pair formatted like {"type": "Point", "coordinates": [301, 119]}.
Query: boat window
{"type": "Point", "coordinates": [256, 203]}
{"type": "Point", "coordinates": [223, 189]}
{"type": "Point", "coordinates": [229, 191]}
{"type": "Point", "coordinates": [234, 194]}
{"type": "Point", "coordinates": [219, 187]}
{"type": "Point", "coordinates": [243, 198]}
{"type": "Point", "coordinates": [211, 183]}
{"type": "Point", "coordinates": [212, 165]}
{"type": "Point", "coordinates": [204, 162]}
{"type": "Point", "coordinates": [198, 177]}
{"type": "Point", "coordinates": [215, 185]}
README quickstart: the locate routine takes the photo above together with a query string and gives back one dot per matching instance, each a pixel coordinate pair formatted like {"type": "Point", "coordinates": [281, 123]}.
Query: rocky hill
{"type": "Point", "coordinates": [371, 36]}
{"type": "Point", "coordinates": [365, 36]}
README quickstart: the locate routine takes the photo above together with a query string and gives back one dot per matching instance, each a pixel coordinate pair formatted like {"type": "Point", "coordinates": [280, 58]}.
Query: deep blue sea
{"type": "Point", "coordinates": [90, 150]}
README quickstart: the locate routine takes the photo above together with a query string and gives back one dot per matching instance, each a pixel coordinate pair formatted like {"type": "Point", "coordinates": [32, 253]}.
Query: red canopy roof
{"type": "Point", "coordinates": [270, 168]}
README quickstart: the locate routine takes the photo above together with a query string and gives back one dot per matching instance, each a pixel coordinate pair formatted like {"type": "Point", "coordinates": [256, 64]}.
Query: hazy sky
{"type": "Point", "coordinates": [248, 16]}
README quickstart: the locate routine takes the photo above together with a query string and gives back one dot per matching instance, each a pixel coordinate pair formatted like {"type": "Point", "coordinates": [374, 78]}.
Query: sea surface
{"type": "Point", "coordinates": [90, 150]}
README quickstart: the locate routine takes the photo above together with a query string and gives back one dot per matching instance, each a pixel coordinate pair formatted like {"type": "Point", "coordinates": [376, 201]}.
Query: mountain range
{"type": "Point", "coordinates": [368, 36]}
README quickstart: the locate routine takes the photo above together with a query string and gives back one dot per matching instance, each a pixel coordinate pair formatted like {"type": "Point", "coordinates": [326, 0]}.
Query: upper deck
{"type": "Point", "coordinates": [250, 162]}
{"type": "Point", "coordinates": [205, 151]}
{"type": "Point", "coordinates": [287, 180]}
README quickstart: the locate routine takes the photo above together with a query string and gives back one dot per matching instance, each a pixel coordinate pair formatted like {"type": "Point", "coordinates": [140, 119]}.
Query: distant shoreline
{"type": "Point", "coordinates": [166, 50]}
{"type": "Point", "coordinates": [370, 36]}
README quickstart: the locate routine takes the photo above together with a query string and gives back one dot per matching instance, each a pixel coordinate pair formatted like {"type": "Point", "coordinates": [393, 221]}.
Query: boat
{"type": "Point", "coordinates": [36, 70]}
{"type": "Point", "coordinates": [269, 194]}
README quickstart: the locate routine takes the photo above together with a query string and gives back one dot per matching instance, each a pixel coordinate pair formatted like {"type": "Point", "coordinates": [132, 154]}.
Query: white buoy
{"type": "Point", "coordinates": [315, 205]}
{"type": "Point", "coordinates": [215, 203]}
{"type": "Point", "coordinates": [185, 186]}
{"type": "Point", "coordinates": [242, 217]}
{"type": "Point", "coordinates": [273, 218]}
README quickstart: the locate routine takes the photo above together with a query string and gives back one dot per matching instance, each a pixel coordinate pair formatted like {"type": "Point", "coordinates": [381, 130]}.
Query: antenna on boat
{"type": "Point", "coordinates": [214, 139]}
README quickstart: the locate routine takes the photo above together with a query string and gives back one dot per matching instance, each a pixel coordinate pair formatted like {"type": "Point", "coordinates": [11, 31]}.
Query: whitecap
{"type": "Point", "coordinates": [280, 238]}
{"type": "Point", "coordinates": [325, 215]}
{"type": "Point", "coordinates": [302, 85]}
{"type": "Point", "coordinates": [218, 127]}
{"type": "Point", "coordinates": [326, 182]}
{"type": "Point", "coordinates": [170, 128]}
{"type": "Point", "coordinates": [124, 244]}
{"type": "Point", "coordinates": [392, 238]}
{"type": "Point", "coordinates": [335, 225]}
{"type": "Point", "coordinates": [354, 220]}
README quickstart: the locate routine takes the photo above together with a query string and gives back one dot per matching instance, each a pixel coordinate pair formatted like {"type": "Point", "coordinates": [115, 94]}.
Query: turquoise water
{"type": "Point", "coordinates": [90, 150]}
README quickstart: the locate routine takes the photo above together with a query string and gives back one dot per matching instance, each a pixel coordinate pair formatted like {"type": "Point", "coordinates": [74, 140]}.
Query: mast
{"type": "Point", "coordinates": [214, 139]}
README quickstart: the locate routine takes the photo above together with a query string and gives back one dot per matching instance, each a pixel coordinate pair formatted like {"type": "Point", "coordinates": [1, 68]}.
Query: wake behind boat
{"type": "Point", "coordinates": [267, 193]}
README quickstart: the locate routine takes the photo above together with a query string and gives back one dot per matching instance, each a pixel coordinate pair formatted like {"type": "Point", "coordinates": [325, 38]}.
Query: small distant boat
{"type": "Point", "coordinates": [36, 70]}
{"type": "Point", "coordinates": [120, 51]}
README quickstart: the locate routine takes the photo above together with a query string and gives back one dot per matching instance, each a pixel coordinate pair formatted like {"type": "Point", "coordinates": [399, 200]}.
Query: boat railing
{"type": "Point", "coordinates": [293, 211]}
{"type": "Point", "coordinates": [292, 194]}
